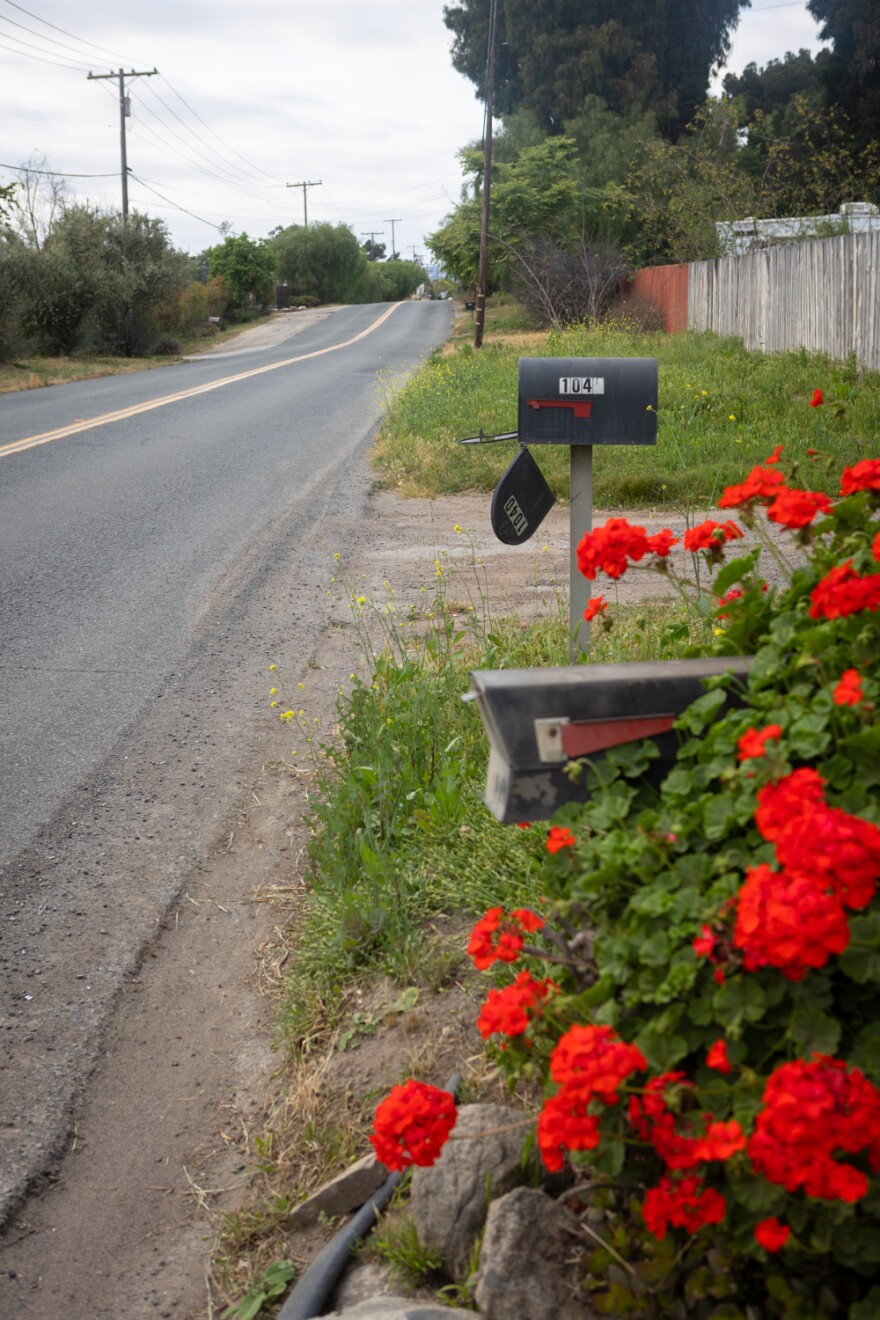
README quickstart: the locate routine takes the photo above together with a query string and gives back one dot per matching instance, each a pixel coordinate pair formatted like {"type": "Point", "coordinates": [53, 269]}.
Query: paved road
{"type": "Point", "coordinates": [149, 565]}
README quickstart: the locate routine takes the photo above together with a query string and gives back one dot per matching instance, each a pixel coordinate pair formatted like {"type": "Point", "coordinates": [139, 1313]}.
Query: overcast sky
{"type": "Point", "coordinates": [252, 96]}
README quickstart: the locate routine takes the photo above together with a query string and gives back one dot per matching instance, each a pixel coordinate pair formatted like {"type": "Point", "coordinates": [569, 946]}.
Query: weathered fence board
{"type": "Point", "coordinates": [822, 295]}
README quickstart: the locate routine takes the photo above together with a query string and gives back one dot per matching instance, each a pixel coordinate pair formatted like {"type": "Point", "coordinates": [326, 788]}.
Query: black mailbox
{"type": "Point", "coordinates": [588, 401]}
{"type": "Point", "coordinates": [537, 720]}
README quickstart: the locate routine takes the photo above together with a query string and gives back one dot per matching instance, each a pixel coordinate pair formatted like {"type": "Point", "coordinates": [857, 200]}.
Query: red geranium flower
{"type": "Point", "coordinates": [598, 605]}
{"type": "Point", "coordinates": [717, 1057]}
{"type": "Point", "coordinates": [565, 1124]}
{"type": "Point", "coordinates": [840, 851]}
{"type": "Point", "coordinates": [843, 592]}
{"type": "Point", "coordinates": [864, 475]}
{"type": "Point", "coordinates": [817, 400]}
{"type": "Point", "coordinates": [775, 456]}
{"type": "Point", "coordinates": [681, 1140]}
{"type": "Point", "coordinates": [797, 508]}
{"type": "Point", "coordinates": [794, 795]}
{"type": "Point", "coordinates": [608, 548]}
{"type": "Point", "coordinates": [499, 938]}
{"type": "Point", "coordinates": [682, 1203]}
{"type": "Point", "coordinates": [848, 691]}
{"type": "Point", "coordinates": [509, 1011]}
{"type": "Point", "coordinates": [594, 1061]}
{"type": "Point", "coordinates": [753, 742]}
{"type": "Point", "coordinates": [662, 542]}
{"type": "Point", "coordinates": [762, 483]}
{"type": "Point", "coordinates": [875, 547]}
{"type": "Point", "coordinates": [788, 920]}
{"type": "Point", "coordinates": [813, 1111]}
{"type": "Point", "coordinates": [559, 837]}
{"type": "Point", "coordinates": [711, 535]}
{"type": "Point", "coordinates": [772, 1235]}
{"type": "Point", "coordinates": [705, 942]}
{"type": "Point", "coordinates": [412, 1124]}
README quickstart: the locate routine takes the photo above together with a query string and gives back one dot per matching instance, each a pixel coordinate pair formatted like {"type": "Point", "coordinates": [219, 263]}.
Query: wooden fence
{"type": "Point", "coordinates": [822, 295]}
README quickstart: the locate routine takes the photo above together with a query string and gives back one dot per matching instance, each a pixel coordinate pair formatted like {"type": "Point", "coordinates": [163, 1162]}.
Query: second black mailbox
{"type": "Point", "coordinates": [538, 720]}
{"type": "Point", "coordinates": [588, 401]}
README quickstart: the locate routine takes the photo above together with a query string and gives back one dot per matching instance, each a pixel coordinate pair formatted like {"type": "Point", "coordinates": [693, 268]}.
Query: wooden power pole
{"type": "Point", "coordinates": [483, 280]}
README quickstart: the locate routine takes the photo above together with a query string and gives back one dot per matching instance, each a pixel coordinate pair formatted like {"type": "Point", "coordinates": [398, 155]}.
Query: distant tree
{"type": "Point", "coordinates": [551, 55]}
{"type": "Point", "coordinates": [247, 266]}
{"type": "Point", "coordinates": [373, 251]}
{"type": "Point", "coordinates": [324, 261]}
{"type": "Point", "coordinates": [39, 199]}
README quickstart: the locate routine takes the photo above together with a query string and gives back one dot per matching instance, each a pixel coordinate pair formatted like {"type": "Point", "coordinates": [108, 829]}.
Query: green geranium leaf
{"type": "Point", "coordinates": [663, 1051]}
{"type": "Point", "coordinates": [865, 1054]}
{"type": "Point", "coordinates": [814, 1030]}
{"type": "Point", "coordinates": [740, 999]}
{"type": "Point", "coordinates": [735, 571]}
{"type": "Point", "coordinates": [702, 711]}
{"type": "Point", "coordinates": [861, 960]}
{"type": "Point", "coordinates": [758, 1195]}
{"type": "Point", "coordinates": [809, 736]}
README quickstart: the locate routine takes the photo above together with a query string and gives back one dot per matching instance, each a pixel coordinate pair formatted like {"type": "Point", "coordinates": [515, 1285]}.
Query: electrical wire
{"type": "Point", "coordinates": [173, 206]}
{"type": "Point", "coordinates": [63, 31]}
{"type": "Point", "coordinates": [57, 174]}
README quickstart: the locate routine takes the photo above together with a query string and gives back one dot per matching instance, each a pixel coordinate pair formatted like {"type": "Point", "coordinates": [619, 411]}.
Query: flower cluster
{"type": "Point", "coordinates": [508, 1012]}
{"type": "Point", "coordinates": [795, 919]}
{"type": "Point", "coordinates": [682, 1203]}
{"type": "Point", "coordinates": [813, 1110]}
{"type": "Point", "coordinates": [559, 837]}
{"type": "Point", "coordinates": [589, 1063]}
{"type": "Point", "coordinates": [864, 475]}
{"type": "Point", "coordinates": [499, 938]}
{"type": "Point", "coordinates": [682, 1141]}
{"type": "Point", "coordinates": [843, 591]}
{"type": "Point", "coordinates": [711, 536]}
{"type": "Point", "coordinates": [412, 1124]}
{"type": "Point", "coordinates": [762, 485]}
{"type": "Point", "coordinates": [753, 742]}
{"type": "Point", "coordinates": [609, 548]}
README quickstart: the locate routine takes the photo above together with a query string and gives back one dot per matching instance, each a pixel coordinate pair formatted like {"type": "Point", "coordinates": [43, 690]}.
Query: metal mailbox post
{"type": "Point", "coordinates": [538, 720]}
{"type": "Point", "coordinates": [582, 402]}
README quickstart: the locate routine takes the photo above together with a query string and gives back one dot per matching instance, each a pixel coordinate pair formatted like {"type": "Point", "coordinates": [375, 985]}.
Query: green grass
{"type": "Point", "coordinates": [722, 409]}
{"type": "Point", "coordinates": [401, 836]}
{"type": "Point", "coordinates": [32, 372]}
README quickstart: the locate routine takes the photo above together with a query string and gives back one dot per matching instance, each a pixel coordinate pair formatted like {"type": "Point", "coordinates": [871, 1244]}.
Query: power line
{"type": "Point", "coordinates": [42, 59]}
{"type": "Point", "coordinates": [173, 206]}
{"type": "Point", "coordinates": [217, 135]}
{"type": "Point", "coordinates": [57, 174]}
{"type": "Point", "coordinates": [63, 31]}
{"type": "Point", "coordinates": [198, 137]}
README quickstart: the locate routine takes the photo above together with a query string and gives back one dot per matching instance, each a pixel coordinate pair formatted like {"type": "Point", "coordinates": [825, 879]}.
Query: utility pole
{"type": "Point", "coordinates": [304, 186]}
{"type": "Point", "coordinates": [124, 110]}
{"type": "Point", "coordinates": [371, 234]}
{"type": "Point", "coordinates": [487, 172]}
{"type": "Point", "coordinates": [392, 223]}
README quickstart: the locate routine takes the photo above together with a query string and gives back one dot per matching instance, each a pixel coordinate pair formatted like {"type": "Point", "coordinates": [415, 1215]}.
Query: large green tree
{"type": "Point", "coordinates": [552, 54]}
{"type": "Point", "coordinates": [851, 74]}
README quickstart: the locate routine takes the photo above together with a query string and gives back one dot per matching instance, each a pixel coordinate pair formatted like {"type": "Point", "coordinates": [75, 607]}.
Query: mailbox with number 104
{"type": "Point", "coordinates": [588, 401]}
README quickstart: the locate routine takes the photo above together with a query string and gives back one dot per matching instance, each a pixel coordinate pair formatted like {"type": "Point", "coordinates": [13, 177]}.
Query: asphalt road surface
{"type": "Point", "coordinates": [162, 535]}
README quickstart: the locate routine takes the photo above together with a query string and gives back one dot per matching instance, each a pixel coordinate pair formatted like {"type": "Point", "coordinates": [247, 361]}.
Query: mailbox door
{"type": "Point", "coordinates": [588, 401]}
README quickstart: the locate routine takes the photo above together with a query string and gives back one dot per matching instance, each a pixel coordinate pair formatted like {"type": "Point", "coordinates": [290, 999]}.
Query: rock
{"type": "Point", "coordinates": [526, 1261]}
{"type": "Point", "coordinates": [449, 1200]}
{"type": "Point", "coordinates": [400, 1308]}
{"type": "Point", "coordinates": [347, 1192]}
{"type": "Point", "coordinates": [362, 1281]}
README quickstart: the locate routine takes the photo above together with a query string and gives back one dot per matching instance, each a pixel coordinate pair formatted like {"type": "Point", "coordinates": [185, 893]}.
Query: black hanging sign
{"type": "Point", "coordinates": [521, 501]}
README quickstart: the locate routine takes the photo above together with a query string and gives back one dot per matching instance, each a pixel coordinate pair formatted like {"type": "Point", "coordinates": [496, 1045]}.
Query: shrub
{"type": "Point", "coordinates": [709, 1048]}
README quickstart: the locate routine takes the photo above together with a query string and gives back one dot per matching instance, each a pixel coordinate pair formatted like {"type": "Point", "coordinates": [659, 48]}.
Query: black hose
{"type": "Point", "coordinates": [314, 1288]}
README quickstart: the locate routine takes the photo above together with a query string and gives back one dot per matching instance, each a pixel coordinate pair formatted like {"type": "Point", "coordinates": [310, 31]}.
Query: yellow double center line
{"type": "Point", "coordinates": [31, 441]}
